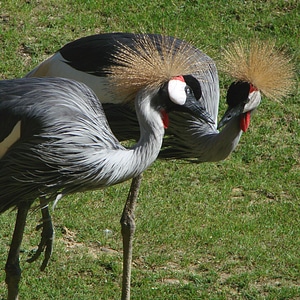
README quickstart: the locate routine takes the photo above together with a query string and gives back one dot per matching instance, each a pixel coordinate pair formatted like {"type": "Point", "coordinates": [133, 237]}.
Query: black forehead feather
{"type": "Point", "coordinates": [194, 84]}
{"type": "Point", "coordinates": [237, 93]}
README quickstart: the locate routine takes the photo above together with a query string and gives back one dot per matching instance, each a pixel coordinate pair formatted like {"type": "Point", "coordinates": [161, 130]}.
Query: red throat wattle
{"type": "Point", "coordinates": [245, 117]}
{"type": "Point", "coordinates": [245, 121]}
{"type": "Point", "coordinates": [165, 118]}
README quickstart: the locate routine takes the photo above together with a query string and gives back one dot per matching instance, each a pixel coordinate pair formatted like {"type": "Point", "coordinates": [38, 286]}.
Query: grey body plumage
{"type": "Point", "coordinates": [66, 144]}
{"type": "Point", "coordinates": [64, 128]}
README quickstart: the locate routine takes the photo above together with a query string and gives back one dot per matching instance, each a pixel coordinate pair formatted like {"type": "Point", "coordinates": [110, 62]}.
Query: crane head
{"type": "Point", "coordinates": [179, 96]}
{"type": "Point", "coordinates": [242, 99]}
{"type": "Point", "coordinates": [258, 68]}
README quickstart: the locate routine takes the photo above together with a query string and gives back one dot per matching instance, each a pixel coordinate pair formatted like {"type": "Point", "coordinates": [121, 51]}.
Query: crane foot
{"type": "Point", "coordinates": [47, 237]}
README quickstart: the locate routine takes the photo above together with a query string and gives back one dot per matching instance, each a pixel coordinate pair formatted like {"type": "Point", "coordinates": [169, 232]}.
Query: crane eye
{"type": "Point", "coordinates": [189, 91]}
{"type": "Point", "coordinates": [194, 85]}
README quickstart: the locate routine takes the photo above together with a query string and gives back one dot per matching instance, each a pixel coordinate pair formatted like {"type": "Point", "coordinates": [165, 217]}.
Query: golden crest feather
{"type": "Point", "coordinates": [152, 62]}
{"type": "Point", "coordinates": [261, 64]}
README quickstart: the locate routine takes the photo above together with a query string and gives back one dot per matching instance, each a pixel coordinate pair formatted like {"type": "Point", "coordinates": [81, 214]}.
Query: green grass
{"type": "Point", "coordinates": [227, 230]}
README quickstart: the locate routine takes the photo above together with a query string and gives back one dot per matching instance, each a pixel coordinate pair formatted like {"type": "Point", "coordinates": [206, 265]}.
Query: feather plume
{"type": "Point", "coordinates": [151, 62]}
{"type": "Point", "coordinates": [261, 64]}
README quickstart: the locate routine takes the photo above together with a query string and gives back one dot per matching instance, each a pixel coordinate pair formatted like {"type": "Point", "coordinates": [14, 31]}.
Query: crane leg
{"type": "Point", "coordinates": [128, 229]}
{"type": "Point", "coordinates": [12, 267]}
{"type": "Point", "coordinates": [47, 236]}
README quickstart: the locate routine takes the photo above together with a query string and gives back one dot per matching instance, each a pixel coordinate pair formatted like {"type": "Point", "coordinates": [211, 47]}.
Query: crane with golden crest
{"type": "Point", "coordinates": [117, 65]}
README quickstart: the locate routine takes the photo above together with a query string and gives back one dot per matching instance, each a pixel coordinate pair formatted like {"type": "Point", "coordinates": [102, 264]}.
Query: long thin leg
{"type": "Point", "coordinates": [12, 267]}
{"type": "Point", "coordinates": [47, 236]}
{"type": "Point", "coordinates": [128, 229]}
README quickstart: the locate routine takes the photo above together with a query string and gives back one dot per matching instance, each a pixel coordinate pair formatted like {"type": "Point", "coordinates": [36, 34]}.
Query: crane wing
{"type": "Point", "coordinates": [53, 106]}
{"type": "Point", "coordinates": [92, 54]}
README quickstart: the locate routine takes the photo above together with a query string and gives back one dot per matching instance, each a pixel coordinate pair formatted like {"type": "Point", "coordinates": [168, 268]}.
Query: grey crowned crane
{"type": "Point", "coordinates": [55, 140]}
{"type": "Point", "coordinates": [256, 67]}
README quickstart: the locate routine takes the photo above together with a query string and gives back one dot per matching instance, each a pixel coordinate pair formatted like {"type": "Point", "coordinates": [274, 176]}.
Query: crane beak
{"type": "Point", "coordinates": [231, 113]}
{"type": "Point", "coordinates": [193, 107]}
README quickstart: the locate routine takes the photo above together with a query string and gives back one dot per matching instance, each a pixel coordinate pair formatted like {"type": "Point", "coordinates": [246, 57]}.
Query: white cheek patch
{"type": "Point", "coordinates": [254, 101]}
{"type": "Point", "coordinates": [176, 90]}
{"type": "Point", "coordinates": [10, 139]}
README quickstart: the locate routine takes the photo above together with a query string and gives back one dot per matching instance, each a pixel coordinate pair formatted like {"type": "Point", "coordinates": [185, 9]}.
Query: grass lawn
{"type": "Point", "coordinates": [226, 230]}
